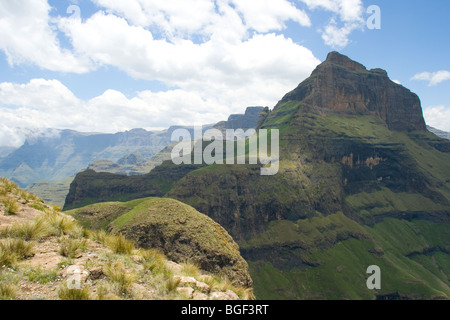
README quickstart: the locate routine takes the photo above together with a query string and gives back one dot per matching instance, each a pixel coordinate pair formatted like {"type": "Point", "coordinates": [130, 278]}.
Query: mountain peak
{"type": "Point", "coordinates": [343, 86]}
{"type": "Point", "coordinates": [337, 58]}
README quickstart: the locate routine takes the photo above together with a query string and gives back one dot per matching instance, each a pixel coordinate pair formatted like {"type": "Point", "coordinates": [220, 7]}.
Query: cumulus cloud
{"type": "Point", "coordinates": [49, 104]}
{"type": "Point", "coordinates": [348, 10]}
{"type": "Point", "coordinates": [267, 15]}
{"type": "Point", "coordinates": [42, 104]}
{"type": "Point", "coordinates": [48, 95]}
{"type": "Point", "coordinates": [438, 117]}
{"type": "Point", "coordinates": [338, 37]}
{"type": "Point", "coordinates": [249, 69]}
{"type": "Point", "coordinates": [225, 59]}
{"type": "Point", "coordinates": [171, 18]}
{"type": "Point", "coordinates": [27, 36]}
{"type": "Point", "coordinates": [348, 17]}
{"type": "Point", "coordinates": [433, 78]}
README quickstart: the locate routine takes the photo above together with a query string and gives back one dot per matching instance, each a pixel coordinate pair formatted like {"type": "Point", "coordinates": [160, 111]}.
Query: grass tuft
{"type": "Point", "coordinates": [70, 248]}
{"type": "Point", "coordinates": [64, 293]}
{"type": "Point", "coordinates": [120, 277]}
{"type": "Point", "coordinates": [11, 206]}
{"type": "Point", "coordinates": [8, 186]}
{"type": "Point", "coordinates": [30, 230]}
{"type": "Point", "coordinates": [99, 236]}
{"type": "Point", "coordinates": [22, 249]}
{"type": "Point", "coordinates": [7, 258]}
{"type": "Point", "coordinates": [41, 276]}
{"type": "Point", "coordinates": [154, 261]}
{"type": "Point", "coordinates": [190, 269]}
{"type": "Point", "coordinates": [172, 284]}
{"type": "Point", "coordinates": [7, 291]}
{"type": "Point", "coordinates": [118, 244]}
{"type": "Point", "coordinates": [63, 225]}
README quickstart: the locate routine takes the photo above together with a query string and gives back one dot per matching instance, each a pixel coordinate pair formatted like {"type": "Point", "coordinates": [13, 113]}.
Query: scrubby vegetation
{"type": "Point", "coordinates": [40, 248]}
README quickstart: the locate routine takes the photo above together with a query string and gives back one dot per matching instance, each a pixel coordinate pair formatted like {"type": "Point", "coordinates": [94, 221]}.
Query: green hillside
{"type": "Point", "coordinates": [361, 182]}
{"type": "Point", "coordinates": [179, 231]}
{"type": "Point", "coordinates": [357, 186]}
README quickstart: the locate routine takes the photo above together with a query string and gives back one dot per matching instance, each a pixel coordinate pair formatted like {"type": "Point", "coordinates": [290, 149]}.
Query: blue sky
{"type": "Point", "coordinates": [120, 64]}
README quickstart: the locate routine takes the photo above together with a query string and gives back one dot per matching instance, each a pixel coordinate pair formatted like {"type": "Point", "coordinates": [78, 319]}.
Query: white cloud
{"type": "Point", "coordinates": [42, 94]}
{"type": "Point", "coordinates": [42, 104]}
{"type": "Point", "coordinates": [348, 10]}
{"type": "Point", "coordinates": [338, 37]}
{"type": "Point", "coordinates": [49, 104]}
{"type": "Point", "coordinates": [173, 18]}
{"type": "Point", "coordinates": [433, 78]}
{"type": "Point", "coordinates": [220, 62]}
{"type": "Point", "coordinates": [438, 117]}
{"type": "Point", "coordinates": [262, 67]}
{"type": "Point", "coordinates": [268, 15]}
{"type": "Point", "coordinates": [26, 36]}
{"type": "Point", "coordinates": [348, 17]}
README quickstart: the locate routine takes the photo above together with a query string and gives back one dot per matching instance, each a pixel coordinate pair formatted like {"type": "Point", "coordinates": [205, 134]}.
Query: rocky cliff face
{"type": "Point", "coordinates": [91, 187]}
{"type": "Point", "coordinates": [338, 138]}
{"type": "Point", "coordinates": [343, 86]}
{"type": "Point", "coordinates": [245, 121]}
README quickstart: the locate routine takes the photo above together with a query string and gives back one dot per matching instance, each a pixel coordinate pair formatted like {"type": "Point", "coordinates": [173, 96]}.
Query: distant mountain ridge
{"type": "Point", "coordinates": [134, 164]}
{"type": "Point", "coordinates": [55, 155]}
{"type": "Point", "coordinates": [66, 152]}
{"type": "Point", "coordinates": [439, 133]}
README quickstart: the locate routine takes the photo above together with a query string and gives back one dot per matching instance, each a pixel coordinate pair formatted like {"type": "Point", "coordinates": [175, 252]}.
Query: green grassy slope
{"type": "Point", "coordinates": [395, 185]}
{"type": "Point", "coordinates": [368, 195]}
{"type": "Point", "coordinates": [410, 266]}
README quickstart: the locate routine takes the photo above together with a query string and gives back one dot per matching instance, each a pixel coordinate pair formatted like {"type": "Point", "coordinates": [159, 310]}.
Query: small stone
{"type": "Point", "coordinates": [186, 281]}
{"type": "Point", "coordinates": [199, 296]}
{"type": "Point", "coordinates": [203, 287]}
{"type": "Point", "coordinates": [174, 266]}
{"type": "Point", "coordinates": [219, 296]}
{"type": "Point", "coordinates": [187, 291]}
{"type": "Point", "coordinates": [232, 295]}
{"type": "Point", "coordinates": [228, 295]}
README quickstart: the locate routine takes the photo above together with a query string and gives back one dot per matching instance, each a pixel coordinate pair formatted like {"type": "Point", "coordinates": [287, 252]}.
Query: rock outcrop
{"type": "Point", "coordinates": [91, 187]}
{"type": "Point", "coordinates": [343, 86]}
{"type": "Point", "coordinates": [246, 121]}
{"type": "Point", "coordinates": [174, 228]}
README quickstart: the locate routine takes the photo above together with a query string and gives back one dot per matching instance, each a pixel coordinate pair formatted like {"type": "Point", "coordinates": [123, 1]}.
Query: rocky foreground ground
{"type": "Point", "coordinates": [45, 254]}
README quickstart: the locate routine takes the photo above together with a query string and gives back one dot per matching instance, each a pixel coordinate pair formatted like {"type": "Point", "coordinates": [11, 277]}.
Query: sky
{"type": "Point", "coordinates": [114, 65]}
